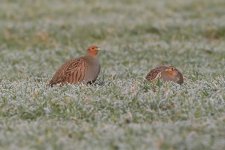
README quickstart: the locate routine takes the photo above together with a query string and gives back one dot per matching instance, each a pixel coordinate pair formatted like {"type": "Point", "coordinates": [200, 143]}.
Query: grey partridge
{"type": "Point", "coordinates": [79, 70]}
{"type": "Point", "coordinates": [165, 73]}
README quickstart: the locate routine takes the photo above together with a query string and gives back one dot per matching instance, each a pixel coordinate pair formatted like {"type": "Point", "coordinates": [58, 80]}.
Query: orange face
{"type": "Point", "coordinates": [93, 50]}
{"type": "Point", "coordinates": [171, 72]}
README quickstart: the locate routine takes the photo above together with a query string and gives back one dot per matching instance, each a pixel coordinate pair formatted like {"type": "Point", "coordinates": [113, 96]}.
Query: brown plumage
{"type": "Point", "coordinates": [165, 73]}
{"type": "Point", "coordinates": [79, 70]}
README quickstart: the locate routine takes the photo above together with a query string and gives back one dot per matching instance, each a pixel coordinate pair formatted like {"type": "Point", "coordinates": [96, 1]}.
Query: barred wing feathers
{"type": "Point", "coordinates": [73, 71]}
{"type": "Point", "coordinates": [155, 73]}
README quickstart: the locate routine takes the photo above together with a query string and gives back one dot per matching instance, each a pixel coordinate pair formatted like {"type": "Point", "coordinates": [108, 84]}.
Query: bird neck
{"type": "Point", "coordinates": [93, 55]}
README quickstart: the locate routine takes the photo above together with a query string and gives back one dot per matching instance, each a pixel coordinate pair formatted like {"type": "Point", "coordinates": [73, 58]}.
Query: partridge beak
{"type": "Point", "coordinates": [168, 70]}
{"type": "Point", "coordinates": [99, 49]}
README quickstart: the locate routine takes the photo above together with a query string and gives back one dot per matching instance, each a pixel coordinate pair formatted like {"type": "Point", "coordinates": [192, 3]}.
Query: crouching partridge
{"type": "Point", "coordinates": [165, 73]}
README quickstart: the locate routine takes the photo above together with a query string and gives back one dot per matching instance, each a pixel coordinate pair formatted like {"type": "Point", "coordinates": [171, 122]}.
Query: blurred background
{"type": "Point", "coordinates": [37, 36]}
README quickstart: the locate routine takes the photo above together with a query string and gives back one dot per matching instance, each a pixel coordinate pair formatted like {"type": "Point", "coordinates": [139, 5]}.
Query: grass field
{"type": "Point", "coordinates": [121, 111]}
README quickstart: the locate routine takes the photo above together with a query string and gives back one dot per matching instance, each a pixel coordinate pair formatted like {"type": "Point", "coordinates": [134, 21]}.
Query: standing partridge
{"type": "Point", "coordinates": [165, 73]}
{"type": "Point", "coordinates": [79, 70]}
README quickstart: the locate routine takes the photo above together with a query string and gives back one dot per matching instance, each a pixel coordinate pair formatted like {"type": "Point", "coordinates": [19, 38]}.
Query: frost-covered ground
{"type": "Point", "coordinates": [121, 111]}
